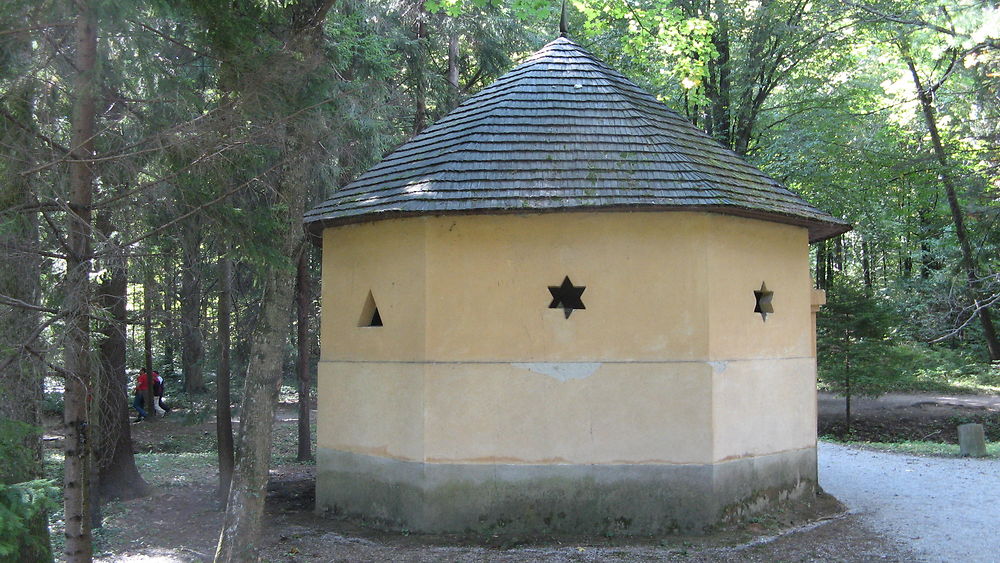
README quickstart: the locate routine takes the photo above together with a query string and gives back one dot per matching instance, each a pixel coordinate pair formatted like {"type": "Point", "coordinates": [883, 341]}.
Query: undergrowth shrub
{"type": "Point", "coordinates": [21, 507]}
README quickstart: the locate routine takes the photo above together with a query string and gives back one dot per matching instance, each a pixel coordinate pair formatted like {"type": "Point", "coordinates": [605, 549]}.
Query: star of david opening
{"type": "Point", "coordinates": [764, 298]}
{"type": "Point", "coordinates": [567, 296]}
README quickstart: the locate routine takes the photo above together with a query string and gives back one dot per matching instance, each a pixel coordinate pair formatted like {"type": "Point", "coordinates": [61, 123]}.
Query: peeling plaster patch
{"type": "Point", "coordinates": [718, 367]}
{"type": "Point", "coordinates": [562, 371]}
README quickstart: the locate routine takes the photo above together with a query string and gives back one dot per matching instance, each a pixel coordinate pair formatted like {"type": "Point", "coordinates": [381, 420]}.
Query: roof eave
{"type": "Point", "coordinates": [819, 230]}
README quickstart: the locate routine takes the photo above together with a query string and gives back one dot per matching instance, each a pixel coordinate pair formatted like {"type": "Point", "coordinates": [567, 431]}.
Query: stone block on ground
{"type": "Point", "coordinates": [971, 440]}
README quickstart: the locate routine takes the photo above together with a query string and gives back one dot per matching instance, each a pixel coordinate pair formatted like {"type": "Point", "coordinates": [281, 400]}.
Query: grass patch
{"type": "Point", "coordinates": [932, 369]}
{"type": "Point", "coordinates": [178, 469]}
{"type": "Point", "coordinates": [916, 447]}
{"type": "Point", "coordinates": [973, 380]}
{"type": "Point", "coordinates": [184, 442]}
{"type": "Point", "coordinates": [52, 460]}
{"type": "Point", "coordinates": [285, 448]}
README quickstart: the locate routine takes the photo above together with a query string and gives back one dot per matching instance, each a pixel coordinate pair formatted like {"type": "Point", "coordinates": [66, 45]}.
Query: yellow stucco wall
{"type": "Point", "coordinates": [387, 259]}
{"type": "Point", "coordinates": [487, 279]}
{"type": "Point", "coordinates": [667, 364]}
{"type": "Point", "coordinates": [764, 398]}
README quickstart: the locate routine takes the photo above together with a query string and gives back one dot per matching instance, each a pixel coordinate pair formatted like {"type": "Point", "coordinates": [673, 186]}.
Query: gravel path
{"type": "Point", "coordinates": [945, 509]}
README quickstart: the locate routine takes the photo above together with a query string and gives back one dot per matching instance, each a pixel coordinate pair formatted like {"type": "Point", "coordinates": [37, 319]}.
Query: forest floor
{"type": "Point", "coordinates": [180, 521]}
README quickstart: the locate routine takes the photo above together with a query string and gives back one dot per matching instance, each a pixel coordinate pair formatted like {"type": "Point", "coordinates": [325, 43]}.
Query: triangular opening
{"type": "Point", "coordinates": [369, 313]}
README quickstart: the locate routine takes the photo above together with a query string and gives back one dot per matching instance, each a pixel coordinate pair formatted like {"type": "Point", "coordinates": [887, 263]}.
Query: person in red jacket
{"type": "Point", "coordinates": [140, 394]}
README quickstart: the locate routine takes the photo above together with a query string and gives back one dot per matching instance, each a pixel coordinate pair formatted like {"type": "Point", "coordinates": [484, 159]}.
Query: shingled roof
{"type": "Point", "coordinates": [565, 132]}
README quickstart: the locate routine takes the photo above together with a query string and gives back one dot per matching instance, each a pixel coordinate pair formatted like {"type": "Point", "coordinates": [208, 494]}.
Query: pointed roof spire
{"type": "Point", "coordinates": [562, 21]}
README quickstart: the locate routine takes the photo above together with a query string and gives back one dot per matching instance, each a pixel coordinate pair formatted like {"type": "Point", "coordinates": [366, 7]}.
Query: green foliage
{"type": "Point", "coordinates": [20, 505]}
{"type": "Point", "coordinates": [52, 403]}
{"type": "Point", "coordinates": [932, 369]}
{"type": "Point", "coordinates": [944, 370]}
{"type": "Point", "coordinates": [177, 469]}
{"type": "Point", "coordinates": [18, 459]}
{"type": "Point", "coordinates": [528, 10]}
{"type": "Point", "coordinates": [659, 38]}
{"type": "Point", "coordinates": [855, 352]}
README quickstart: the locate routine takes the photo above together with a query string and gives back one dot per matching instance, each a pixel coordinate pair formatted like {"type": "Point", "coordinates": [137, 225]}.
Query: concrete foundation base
{"type": "Point", "coordinates": [585, 499]}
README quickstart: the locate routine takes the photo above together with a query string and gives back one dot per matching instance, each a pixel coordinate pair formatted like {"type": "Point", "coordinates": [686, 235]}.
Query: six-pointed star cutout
{"type": "Point", "coordinates": [763, 297]}
{"type": "Point", "coordinates": [567, 296]}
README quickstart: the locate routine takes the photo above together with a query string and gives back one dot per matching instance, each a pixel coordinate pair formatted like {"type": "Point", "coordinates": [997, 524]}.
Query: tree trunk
{"type": "Point", "coordinates": [719, 85]}
{"type": "Point", "coordinates": [76, 481]}
{"type": "Point", "coordinates": [245, 507]}
{"type": "Point", "coordinates": [866, 265]}
{"type": "Point", "coordinates": [417, 70]}
{"type": "Point", "coordinates": [822, 281]}
{"type": "Point", "coordinates": [838, 254]}
{"type": "Point", "coordinates": [944, 174]}
{"type": "Point", "coordinates": [147, 320]}
{"type": "Point", "coordinates": [22, 375]}
{"type": "Point", "coordinates": [302, 300]}
{"type": "Point", "coordinates": [847, 394]}
{"type": "Point", "coordinates": [147, 323]}
{"type": "Point", "coordinates": [119, 477]}
{"type": "Point", "coordinates": [223, 412]}
{"type": "Point", "coordinates": [169, 294]}
{"type": "Point", "coordinates": [193, 348]}
{"type": "Point", "coordinates": [454, 89]}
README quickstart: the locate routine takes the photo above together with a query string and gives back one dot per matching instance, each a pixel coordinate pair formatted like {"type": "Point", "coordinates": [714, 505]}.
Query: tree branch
{"type": "Point", "coordinates": [17, 123]}
{"type": "Point", "coordinates": [27, 250]}
{"type": "Point", "coordinates": [900, 19]}
{"type": "Point", "coordinates": [14, 302]}
{"type": "Point", "coordinates": [56, 232]}
{"type": "Point", "coordinates": [172, 40]}
{"type": "Point", "coordinates": [38, 27]}
{"type": "Point", "coordinates": [198, 208]}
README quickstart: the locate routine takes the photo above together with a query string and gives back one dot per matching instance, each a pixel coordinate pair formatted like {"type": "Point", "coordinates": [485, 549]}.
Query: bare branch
{"type": "Point", "coordinates": [14, 302]}
{"type": "Point", "coordinates": [17, 123]}
{"type": "Point", "coordinates": [172, 40]}
{"type": "Point", "coordinates": [38, 27]}
{"type": "Point", "coordinates": [198, 208]}
{"type": "Point", "coordinates": [58, 234]}
{"type": "Point", "coordinates": [60, 370]}
{"type": "Point", "coordinates": [970, 314]}
{"type": "Point", "coordinates": [6, 245]}
{"type": "Point", "coordinates": [31, 338]}
{"type": "Point", "coordinates": [901, 19]}
{"type": "Point", "coordinates": [205, 156]}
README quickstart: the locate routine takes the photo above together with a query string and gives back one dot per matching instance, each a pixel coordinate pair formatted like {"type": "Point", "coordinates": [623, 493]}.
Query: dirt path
{"type": "Point", "coordinates": [908, 403]}
{"type": "Point", "coordinates": [946, 509]}
{"type": "Point", "coordinates": [900, 417]}
{"type": "Point", "coordinates": [180, 523]}
{"type": "Point", "coordinates": [864, 480]}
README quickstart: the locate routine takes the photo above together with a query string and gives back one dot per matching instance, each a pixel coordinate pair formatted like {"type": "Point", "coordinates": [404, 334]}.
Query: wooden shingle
{"type": "Point", "coordinates": [563, 131]}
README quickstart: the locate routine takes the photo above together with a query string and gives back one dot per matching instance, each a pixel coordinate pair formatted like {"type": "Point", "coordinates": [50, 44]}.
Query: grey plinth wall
{"type": "Point", "coordinates": [586, 499]}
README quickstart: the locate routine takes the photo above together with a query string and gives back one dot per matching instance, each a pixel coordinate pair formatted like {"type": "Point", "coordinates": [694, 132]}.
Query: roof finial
{"type": "Point", "coordinates": [562, 21]}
